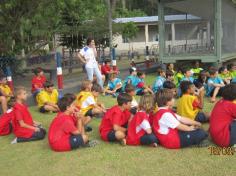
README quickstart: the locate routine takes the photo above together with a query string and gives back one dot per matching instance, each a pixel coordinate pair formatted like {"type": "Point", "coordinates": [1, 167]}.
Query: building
{"type": "Point", "coordinates": [221, 30]}
{"type": "Point", "coordinates": [177, 26]}
{"type": "Point", "coordinates": [199, 30]}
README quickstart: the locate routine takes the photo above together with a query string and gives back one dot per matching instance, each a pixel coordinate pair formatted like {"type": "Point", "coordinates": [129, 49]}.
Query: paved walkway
{"type": "Point", "coordinates": [71, 82]}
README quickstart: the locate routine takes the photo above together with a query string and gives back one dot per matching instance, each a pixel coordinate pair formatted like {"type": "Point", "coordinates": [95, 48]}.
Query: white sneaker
{"type": "Point", "coordinates": [14, 141]}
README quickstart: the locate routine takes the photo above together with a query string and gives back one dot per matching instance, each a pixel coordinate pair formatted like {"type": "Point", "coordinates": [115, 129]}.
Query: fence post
{"type": "Point", "coordinates": [9, 78]}
{"type": "Point", "coordinates": [59, 74]}
{"type": "Point", "coordinates": [113, 58]}
{"type": "Point", "coordinates": [147, 57]}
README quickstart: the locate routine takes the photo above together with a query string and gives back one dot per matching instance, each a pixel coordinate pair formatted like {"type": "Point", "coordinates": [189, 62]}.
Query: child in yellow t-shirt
{"type": "Point", "coordinates": [190, 105]}
{"type": "Point", "coordinates": [87, 102]}
{"type": "Point", "coordinates": [47, 98]}
{"type": "Point", "coordinates": [5, 89]}
{"type": "Point", "coordinates": [224, 74]}
{"type": "Point", "coordinates": [232, 70]}
{"type": "Point", "coordinates": [5, 93]}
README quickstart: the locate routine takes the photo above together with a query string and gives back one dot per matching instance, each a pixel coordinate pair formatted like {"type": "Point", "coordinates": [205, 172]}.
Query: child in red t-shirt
{"type": "Point", "coordinates": [223, 118]}
{"type": "Point", "coordinates": [107, 70]}
{"type": "Point", "coordinates": [114, 123]}
{"type": "Point", "coordinates": [6, 118]}
{"type": "Point", "coordinates": [24, 128]}
{"type": "Point", "coordinates": [66, 131]}
{"type": "Point", "coordinates": [37, 81]}
{"type": "Point", "coordinates": [139, 129]}
{"type": "Point", "coordinates": [172, 130]}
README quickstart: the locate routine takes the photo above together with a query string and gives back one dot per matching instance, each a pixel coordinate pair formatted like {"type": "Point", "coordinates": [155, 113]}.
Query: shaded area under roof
{"type": "Point", "coordinates": [200, 8]}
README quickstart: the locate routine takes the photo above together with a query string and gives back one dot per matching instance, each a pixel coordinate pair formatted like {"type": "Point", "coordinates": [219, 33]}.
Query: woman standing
{"type": "Point", "coordinates": [88, 55]}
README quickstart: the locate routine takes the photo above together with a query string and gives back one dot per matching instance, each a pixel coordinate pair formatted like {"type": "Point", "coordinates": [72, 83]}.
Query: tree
{"type": "Point", "coordinates": [129, 31]}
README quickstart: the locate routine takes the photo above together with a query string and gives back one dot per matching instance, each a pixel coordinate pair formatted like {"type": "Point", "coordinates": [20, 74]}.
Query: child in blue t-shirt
{"type": "Point", "coordinates": [114, 85]}
{"type": "Point", "coordinates": [141, 88]}
{"type": "Point", "coordinates": [214, 85]}
{"type": "Point", "coordinates": [187, 75]}
{"type": "Point", "coordinates": [132, 78]}
{"type": "Point", "coordinates": [158, 84]}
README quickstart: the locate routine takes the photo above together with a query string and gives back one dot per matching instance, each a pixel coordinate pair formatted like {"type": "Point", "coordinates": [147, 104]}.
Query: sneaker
{"type": "Point", "coordinates": [123, 142]}
{"type": "Point", "coordinates": [204, 143]}
{"type": "Point", "coordinates": [154, 145]}
{"type": "Point", "coordinates": [88, 128]}
{"type": "Point", "coordinates": [14, 141]}
{"type": "Point", "coordinates": [91, 143]}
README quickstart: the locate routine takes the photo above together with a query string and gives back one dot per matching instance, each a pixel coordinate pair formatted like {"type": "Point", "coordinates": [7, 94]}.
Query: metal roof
{"type": "Point", "coordinates": [148, 19]}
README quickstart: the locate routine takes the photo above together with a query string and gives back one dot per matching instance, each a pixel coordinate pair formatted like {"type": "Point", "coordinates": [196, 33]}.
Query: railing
{"type": "Point", "coordinates": [189, 48]}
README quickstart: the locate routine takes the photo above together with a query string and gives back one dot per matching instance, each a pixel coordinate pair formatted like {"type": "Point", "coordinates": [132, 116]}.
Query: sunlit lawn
{"type": "Point", "coordinates": [36, 158]}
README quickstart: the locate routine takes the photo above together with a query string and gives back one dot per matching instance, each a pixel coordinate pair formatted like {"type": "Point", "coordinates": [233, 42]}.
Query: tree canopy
{"type": "Point", "coordinates": [26, 25]}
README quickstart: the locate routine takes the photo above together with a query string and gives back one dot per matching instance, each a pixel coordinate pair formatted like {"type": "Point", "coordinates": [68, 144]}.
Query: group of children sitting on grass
{"type": "Point", "coordinates": [155, 119]}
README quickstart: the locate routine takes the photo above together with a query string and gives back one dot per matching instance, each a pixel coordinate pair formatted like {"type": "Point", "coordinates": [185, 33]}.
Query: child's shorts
{"type": "Point", "coordinates": [43, 110]}
{"type": "Point", "coordinates": [140, 92]}
{"type": "Point", "coordinates": [76, 141]}
{"type": "Point", "coordinates": [188, 138]}
{"type": "Point", "coordinates": [148, 139]}
{"type": "Point", "coordinates": [233, 133]}
{"type": "Point", "coordinates": [201, 117]}
{"type": "Point", "coordinates": [89, 113]}
{"type": "Point", "coordinates": [111, 136]}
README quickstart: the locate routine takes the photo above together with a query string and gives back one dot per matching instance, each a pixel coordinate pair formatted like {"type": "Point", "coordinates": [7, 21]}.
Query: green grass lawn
{"type": "Point", "coordinates": [36, 158]}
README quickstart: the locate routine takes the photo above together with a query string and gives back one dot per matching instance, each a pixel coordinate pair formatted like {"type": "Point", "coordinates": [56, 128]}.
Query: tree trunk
{"type": "Point", "coordinates": [22, 50]}
{"type": "Point", "coordinates": [110, 25]}
{"type": "Point", "coordinates": [123, 4]}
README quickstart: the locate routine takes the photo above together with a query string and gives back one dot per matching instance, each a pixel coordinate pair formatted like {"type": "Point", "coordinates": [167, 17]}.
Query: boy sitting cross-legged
{"type": "Point", "coordinates": [87, 99]}
{"type": "Point", "coordinates": [47, 98]}
{"type": "Point", "coordinates": [113, 126]}
{"type": "Point", "coordinates": [114, 85]}
{"type": "Point", "coordinates": [37, 81]}
{"type": "Point", "coordinates": [189, 105]}
{"type": "Point", "coordinates": [158, 84]}
{"type": "Point", "coordinates": [24, 128]}
{"type": "Point", "coordinates": [174, 131]}
{"type": "Point", "coordinates": [132, 78]}
{"type": "Point", "coordinates": [141, 87]}
{"type": "Point", "coordinates": [214, 85]}
{"type": "Point", "coordinates": [66, 131]}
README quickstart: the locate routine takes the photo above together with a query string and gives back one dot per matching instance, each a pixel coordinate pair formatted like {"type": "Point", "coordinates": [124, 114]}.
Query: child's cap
{"type": "Point", "coordinates": [132, 69]}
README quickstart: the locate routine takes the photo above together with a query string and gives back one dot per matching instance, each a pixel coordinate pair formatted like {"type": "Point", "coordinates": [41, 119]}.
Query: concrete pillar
{"type": "Point", "coordinates": [173, 35]}
{"type": "Point", "coordinates": [161, 27]}
{"type": "Point", "coordinates": [208, 33]}
{"type": "Point", "coordinates": [146, 34]}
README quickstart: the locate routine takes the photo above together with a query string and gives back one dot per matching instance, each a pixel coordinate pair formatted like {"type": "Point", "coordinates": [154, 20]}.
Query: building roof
{"type": "Point", "coordinates": [148, 19]}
